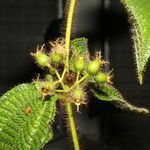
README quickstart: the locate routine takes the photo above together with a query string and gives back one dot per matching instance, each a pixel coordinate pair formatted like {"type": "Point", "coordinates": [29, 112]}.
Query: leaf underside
{"type": "Point", "coordinates": [107, 92]}
{"type": "Point", "coordinates": [21, 130]}
{"type": "Point", "coordinates": [139, 14]}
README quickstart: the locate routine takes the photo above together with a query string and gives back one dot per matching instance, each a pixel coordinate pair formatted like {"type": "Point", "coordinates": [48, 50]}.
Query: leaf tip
{"type": "Point", "coordinates": [140, 77]}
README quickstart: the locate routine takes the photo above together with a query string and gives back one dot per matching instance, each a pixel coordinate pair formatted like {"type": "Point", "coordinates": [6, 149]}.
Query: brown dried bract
{"type": "Point", "coordinates": [45, 92]}
{"type": "Point", "coordinates": [58, 45]}
{"type": "Point", "coordinates": [70, 77]}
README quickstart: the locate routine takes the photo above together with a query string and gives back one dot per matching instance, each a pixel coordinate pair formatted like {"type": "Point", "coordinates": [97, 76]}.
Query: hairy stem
{"type": "Point", "coordinates": [78, 82]}
{"type": "Point", "coordinates": [74, 85]}
{"type": "Point", "coordinates": [60, 79]}
{"type": "Point", "coordinates": [69, 110]}
{"type": "Point", "coordinates": [72, 126]}
{"type": "Point", "coordinates": [68, 29]}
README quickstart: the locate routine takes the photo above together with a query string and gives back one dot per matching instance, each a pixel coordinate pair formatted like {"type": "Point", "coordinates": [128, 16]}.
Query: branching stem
{"type": "Point", "coordinates": [78, 82]}
{"type": "Point", "coordinates": [74, 85]}
{"type": "Point", "coordinates": [78, 75]}
{"type": "Point", "coordinates": [60, 79]}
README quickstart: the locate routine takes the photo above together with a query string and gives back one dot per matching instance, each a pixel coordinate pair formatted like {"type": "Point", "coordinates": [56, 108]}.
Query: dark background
{"type": "Point", "coordinates": [26, 23]}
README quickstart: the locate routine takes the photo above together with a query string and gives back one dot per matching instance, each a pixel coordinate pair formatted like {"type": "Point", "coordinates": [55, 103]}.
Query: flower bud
{"type": "Point", "coordinates": [94, 66]}
{"type": "Point", "coordinates": [78, 93]}
{"type": "Point", "coordinates": [102, 78]}
{"type": "Point", "coordinates": [79, 64]}
{"type": "Point", "coordinates": [49, 77]}
{"type": "Point", "coordinates": [56, 58]}
{"type": "Point", "coordinates": [41, 58]}
{"type": "Point", "coordinates": [49, 85]}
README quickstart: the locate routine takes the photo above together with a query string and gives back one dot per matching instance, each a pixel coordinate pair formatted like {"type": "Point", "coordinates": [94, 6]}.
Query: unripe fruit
{"type": "Point", "coordinates": [66, 87]}
{"type": "Point", "coordinates": [79, 64]}
{"type": "Point", "coordinates": [51, 70]}
{"type": "Point", "coordinates": [49, 77]}
{"type": "Point", "coordinates": [41, 58]}
{"type": "Point", "coordinates": [102, 78]}
{"type": "Point", "coordinates": [94, 66]}
{"type": "Point", "coordinates": [49, 85]}
{"type": "Point", "coordinates": [78, 93]}
{"type": "Point", "coordinates": [56, 58]}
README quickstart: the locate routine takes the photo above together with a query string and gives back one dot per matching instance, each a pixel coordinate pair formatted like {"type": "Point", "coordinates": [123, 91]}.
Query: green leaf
{"type": "Point", "coordinates": [25, 119]}
{"type": "Point", "coordinates": [107, 92]}
{"type": "Point", "coordinates": [80, 46]}
{"type": "Point", "coordinates": [140, 19]}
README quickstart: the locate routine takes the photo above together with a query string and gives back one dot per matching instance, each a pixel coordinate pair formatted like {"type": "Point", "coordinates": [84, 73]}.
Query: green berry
{"type": "Point", "coordinates": [102, 78]}
{"type": "Point", "coordinates": [51, 70]}
{"type": "Point", "coordinates": [79, 64]}
{"type": "Point", "coordinates": [49, 85]}
{"type": "Point", "coordinates": [49, 77]}
{"type": "Point", "coordinates": [66, 87]}
{"type": "Point", "coordinates": [94, 66]}
{"type": "Point", "coordinates": [56, 58]}
{"type": "Point", "coordinates": [41, 58]}
{"type": "Point", "coordinates": [78, 93]}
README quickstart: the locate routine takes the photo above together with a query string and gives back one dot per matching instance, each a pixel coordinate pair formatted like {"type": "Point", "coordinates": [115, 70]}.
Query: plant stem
{"type": "Point", "coordinates": [69, 110]}
{"type": "Point", "coordinates": [72, 126]}
{"type": "Point", "coordinates": [74, 85]}
{"type": "Point", "coordinates": [68, 29]}
{"type": "Point", "coordinates": [78, 82]}
{"type": "Point", "coordinates": [78, 75]}
{"type": "Point", "coordinates": [57, 74]}
{"type": "Point", "coordinates": [59, 79]}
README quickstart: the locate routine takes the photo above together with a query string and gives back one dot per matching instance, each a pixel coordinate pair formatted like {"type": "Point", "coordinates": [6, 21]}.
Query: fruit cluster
{"type": "Point", "coordinates": [70, 81]}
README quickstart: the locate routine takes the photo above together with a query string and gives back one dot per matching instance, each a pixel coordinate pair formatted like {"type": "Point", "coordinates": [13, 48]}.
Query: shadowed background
{"type": "Point", "coordinates": [24, 24]}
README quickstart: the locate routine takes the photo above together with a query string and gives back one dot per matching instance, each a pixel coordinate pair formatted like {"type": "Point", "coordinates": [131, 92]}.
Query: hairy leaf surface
{"type": "Point", "coordinates": [79, 48]}
{"type": "Point", "coordinates": [140, 19]}
{"type": "Point", "coordinates": [107, 92]}
{"type": "Point", "coordinates": [25, 119]}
